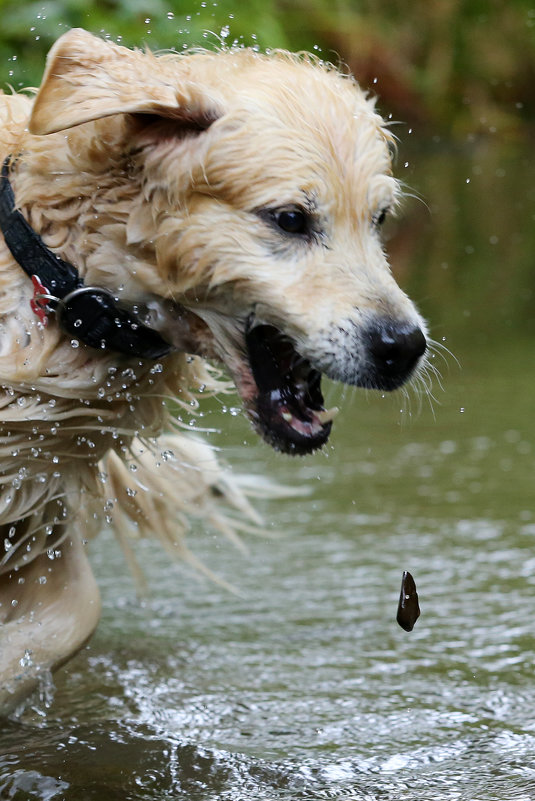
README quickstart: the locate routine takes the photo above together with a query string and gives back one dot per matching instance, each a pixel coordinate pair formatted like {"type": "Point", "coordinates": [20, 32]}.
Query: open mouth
{"type": "Point", "coordinates": [279, 388]}
{"type": "Point", "coordinates": [285, 402]}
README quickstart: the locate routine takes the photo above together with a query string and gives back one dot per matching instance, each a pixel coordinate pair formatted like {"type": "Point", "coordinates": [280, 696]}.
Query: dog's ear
{"type": "Point", "coordinates": [87, 78]}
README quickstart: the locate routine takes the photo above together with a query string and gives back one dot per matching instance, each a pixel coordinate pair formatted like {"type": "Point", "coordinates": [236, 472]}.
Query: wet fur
{"type": "Point", "coordinates": [152, 175]}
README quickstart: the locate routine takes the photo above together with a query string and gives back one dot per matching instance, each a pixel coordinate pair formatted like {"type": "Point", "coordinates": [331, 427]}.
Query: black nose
{"type": "Point", "coordinates": [394, 353]}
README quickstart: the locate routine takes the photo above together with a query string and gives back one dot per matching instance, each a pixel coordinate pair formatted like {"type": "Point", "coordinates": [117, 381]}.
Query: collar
{"type": "Point", "coordinates": [90, 314]}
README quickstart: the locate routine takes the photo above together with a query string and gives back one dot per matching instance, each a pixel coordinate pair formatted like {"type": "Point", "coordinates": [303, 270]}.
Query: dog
{"type": "Point", "coordinates": [160, 215]}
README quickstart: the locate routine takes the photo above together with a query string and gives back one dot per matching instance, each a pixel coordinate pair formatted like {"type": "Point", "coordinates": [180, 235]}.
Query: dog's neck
{"type": "Point", "coordinates": [71, 186]}
{"type": "Point", "coordinates": [93, 209]}
{"type": "Point", "coordinates": [91, 314]}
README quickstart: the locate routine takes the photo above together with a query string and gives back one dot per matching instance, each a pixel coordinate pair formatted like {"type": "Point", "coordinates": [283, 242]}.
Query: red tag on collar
{"type": "Point", "coordinates": [38, 302]}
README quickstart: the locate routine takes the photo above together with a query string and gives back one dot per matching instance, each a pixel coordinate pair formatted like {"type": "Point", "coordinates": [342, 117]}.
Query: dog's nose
{"type": "Point", "coordinates": [394, 353]}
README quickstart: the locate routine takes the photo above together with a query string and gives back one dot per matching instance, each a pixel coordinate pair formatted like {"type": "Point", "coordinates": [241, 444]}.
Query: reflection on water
{"type": "Point", "coordinates": [303, 686]}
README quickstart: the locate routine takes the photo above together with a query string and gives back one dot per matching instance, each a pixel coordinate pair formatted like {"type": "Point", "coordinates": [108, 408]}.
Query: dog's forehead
{"type": "Point", "coordinates": [302, 94]}
{"type": "Point", "coordinates": [292, 125]}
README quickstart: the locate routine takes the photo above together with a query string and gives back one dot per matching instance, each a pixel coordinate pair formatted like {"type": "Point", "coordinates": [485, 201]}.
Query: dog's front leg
{"type": "Point", "coordinates": [48, 610]}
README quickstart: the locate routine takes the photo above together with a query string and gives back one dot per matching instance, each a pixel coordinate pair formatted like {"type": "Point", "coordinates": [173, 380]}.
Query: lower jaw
{"type": "Point", "coordinates": [298, 439]}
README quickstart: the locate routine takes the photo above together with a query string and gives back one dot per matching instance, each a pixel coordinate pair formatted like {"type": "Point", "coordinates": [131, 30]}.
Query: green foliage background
{"type": "Point", "coordinates": [454, 67]}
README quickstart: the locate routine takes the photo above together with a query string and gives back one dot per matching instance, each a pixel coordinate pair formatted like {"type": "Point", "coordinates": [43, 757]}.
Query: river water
{"type": "Point", "coordinates": [301, 685]}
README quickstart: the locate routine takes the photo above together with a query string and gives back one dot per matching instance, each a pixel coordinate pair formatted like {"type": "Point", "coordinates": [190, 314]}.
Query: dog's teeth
{"type": "Point", "coordinates": [327, 415]}
{"type": "Point", "coordinates": [287, 416]}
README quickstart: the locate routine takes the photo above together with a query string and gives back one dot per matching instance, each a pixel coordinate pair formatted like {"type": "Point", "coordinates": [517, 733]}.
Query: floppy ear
{"type": "Point", "coordinates": [87, 78]}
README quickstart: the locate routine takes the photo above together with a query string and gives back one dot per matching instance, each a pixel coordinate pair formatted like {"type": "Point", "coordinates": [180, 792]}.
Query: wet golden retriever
{"type": "Point", "coordinates": [157, 212]}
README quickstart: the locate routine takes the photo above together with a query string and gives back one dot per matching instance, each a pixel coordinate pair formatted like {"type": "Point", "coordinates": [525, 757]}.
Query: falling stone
{"type": "Point", "coordinates": [408, 607]}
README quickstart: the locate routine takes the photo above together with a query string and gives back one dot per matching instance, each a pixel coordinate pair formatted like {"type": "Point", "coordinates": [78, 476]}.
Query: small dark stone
{"type": "Point", "coordinates": [408, 607]}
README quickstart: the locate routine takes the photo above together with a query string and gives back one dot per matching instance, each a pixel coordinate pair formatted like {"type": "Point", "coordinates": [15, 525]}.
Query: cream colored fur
{"type": "Point", "coordinates": [146, 173]}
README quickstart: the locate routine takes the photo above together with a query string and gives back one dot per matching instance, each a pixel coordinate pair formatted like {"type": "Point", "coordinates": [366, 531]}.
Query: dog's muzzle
{"type": "Point", "coordinates": [380, 353]}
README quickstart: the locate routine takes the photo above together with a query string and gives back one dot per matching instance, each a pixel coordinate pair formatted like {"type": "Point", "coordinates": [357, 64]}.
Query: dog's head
{"type": "Point", "coordinates": [260, 184]}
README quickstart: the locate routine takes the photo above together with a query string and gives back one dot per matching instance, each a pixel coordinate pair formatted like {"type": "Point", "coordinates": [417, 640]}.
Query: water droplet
{"type": "Point", "coordinates": [75, 343]}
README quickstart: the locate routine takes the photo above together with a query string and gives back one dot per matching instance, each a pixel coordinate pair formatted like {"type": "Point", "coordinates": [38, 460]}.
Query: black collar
{"type": "Point", "coordinates": [90, 314]}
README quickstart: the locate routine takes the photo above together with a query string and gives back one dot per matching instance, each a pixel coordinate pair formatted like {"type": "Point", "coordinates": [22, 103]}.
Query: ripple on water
{"type": "Point", "coordinates": [303, 687]}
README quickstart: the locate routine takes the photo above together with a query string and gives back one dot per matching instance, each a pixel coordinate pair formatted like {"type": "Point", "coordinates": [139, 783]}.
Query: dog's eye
{"type": "Point", "coordinates": [380, 217]}
{"type": "Point", "coordinates": [292, 221]}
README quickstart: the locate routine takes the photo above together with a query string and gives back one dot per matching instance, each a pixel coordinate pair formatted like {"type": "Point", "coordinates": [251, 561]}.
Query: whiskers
{"type": "Point", "coordinates": [425, 385]}
{"type": "Point", "coordinates": [408, 191]}
{"type": "Point", "coordinates": [428, 375]}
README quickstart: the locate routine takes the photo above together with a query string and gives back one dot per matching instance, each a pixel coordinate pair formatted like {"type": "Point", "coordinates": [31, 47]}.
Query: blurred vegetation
{"type": "Point", "coordinates": [466, 252]}
{"type": "Point", "coordinates": [448, 67]}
